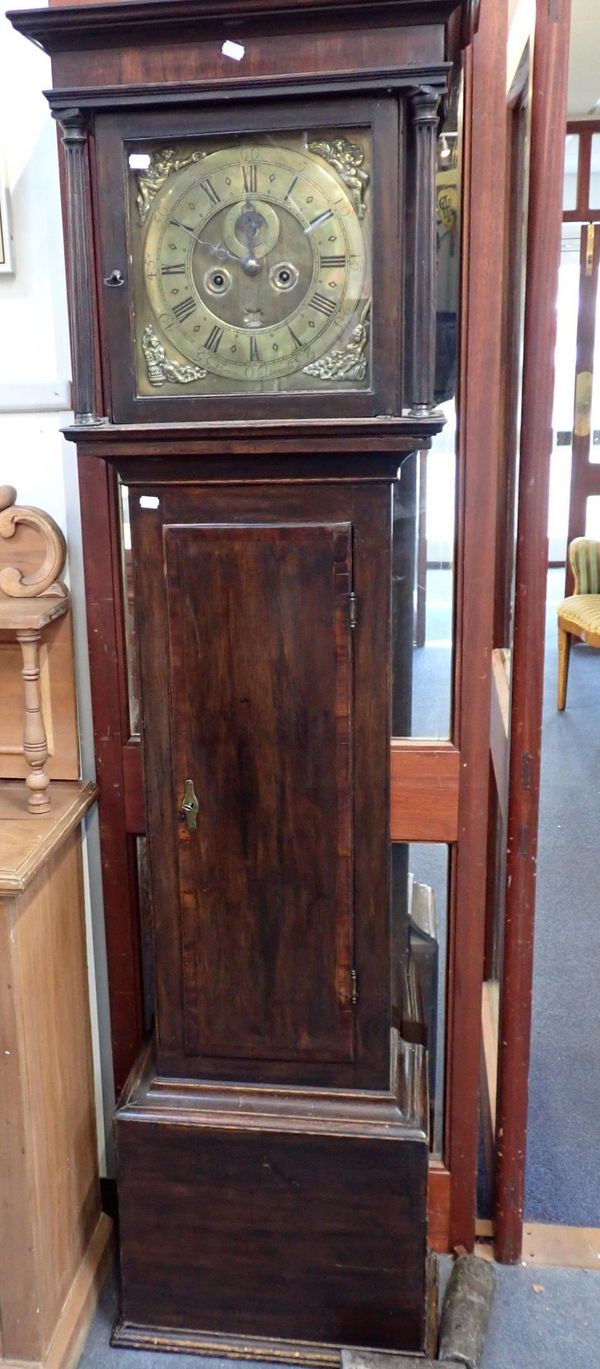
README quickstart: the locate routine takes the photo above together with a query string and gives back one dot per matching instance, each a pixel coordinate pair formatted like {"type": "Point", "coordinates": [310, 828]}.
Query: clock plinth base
{"type": "Point", "coordinates": [274, 1224]}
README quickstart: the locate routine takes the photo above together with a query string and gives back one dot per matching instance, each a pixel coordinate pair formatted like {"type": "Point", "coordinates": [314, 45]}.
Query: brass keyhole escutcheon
{"type": "Point", "coordinates": [190, 806]}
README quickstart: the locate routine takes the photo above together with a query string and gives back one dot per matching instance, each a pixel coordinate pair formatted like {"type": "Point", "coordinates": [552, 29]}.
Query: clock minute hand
{"type": "Point", "coordinates": [316, 223]}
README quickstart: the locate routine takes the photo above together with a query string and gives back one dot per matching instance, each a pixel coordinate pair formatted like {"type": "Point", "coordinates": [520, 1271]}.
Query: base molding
{"type": "Point", "coordinates": [80, 1305]}
{"type": "Point", "coordinates": [208, 1343]}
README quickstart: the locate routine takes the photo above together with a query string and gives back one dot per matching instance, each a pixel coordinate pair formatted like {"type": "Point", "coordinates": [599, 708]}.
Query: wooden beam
{"type": "Point", "coordinates": [438, 1233]}
{"type": "Point", "coordinates": [479, 421]}
{"type": "Point", "coordinates": [548, 118]}
{"type": "Point", "coordinates": [424, 791]}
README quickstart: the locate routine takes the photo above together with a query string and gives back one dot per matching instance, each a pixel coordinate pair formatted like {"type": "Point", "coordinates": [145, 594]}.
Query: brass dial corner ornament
{"type": "Point", "coordinates": [349, 362]}
{"type": "Point", "coordinates": [150, 181]}
{"type": "Point", "coordinates": [347, 158]}
{"type": "Point", "coordinates": [254, 264]}
{"type": "Point", "coordinates": [160, 368]}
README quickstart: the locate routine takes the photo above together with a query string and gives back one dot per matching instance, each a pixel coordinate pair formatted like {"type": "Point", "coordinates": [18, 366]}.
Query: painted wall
{"type": "Point", "coordinates": [34, 406]}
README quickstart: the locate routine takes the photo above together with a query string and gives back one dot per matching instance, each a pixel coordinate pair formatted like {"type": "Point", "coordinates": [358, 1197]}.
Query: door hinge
{"type": "Point", "coordinates": [352, 608]}
{"type": "Point", "coordinates": [354, 988]}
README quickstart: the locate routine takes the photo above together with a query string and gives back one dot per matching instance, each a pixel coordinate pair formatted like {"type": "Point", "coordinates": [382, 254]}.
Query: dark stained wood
{"type": "Point", "coordinates": [585, 209]}
{"type": "Point", "coordinates": [210, 1210]}
{"type": "Point", "coordinates": [105, 644]}
{"type": "Point", "coordinates": [543, 255]}
{"type": "Point", "coordinates": [68, 27]}
{"type": "Point", "coordinates": [478, 428]}
{"type": "Point", "coordinates": [368, 509]}
{"type": "Point", "coordinates": [80, 265]}
{"type": "Point", "coordinates": [420, 314]}
{"type": "Point", "coordinates": [261, 697]}
{"type": "Point", "coordinates": [133, 780]}
{"type": "Point", "coordinates": [268, 438]}
{"type": "Point", "coordinates": [129, 57]}
{"type": "Point", "coordinates": [425, 779]}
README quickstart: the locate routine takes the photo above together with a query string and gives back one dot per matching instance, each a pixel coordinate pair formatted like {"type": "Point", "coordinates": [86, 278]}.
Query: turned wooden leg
{"type": "Point", "coordinates": [35, 742]}
{"type": "Point", "coordinates": [564, 651]}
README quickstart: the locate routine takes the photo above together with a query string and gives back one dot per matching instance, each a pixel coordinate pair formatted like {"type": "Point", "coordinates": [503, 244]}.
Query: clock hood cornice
{"type": "Point", "coordinates": [81, 27]}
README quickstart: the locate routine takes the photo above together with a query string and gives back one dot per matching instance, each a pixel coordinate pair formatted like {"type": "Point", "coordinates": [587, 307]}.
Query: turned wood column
{"type": "Point", "coordinates": [423, 106]}
{"type": "Point", "coordinates": [73, 123]}
{"type": "Point", "coordinates": [35, 742]}
{"type": "Point", "coordinates": [27, 604]}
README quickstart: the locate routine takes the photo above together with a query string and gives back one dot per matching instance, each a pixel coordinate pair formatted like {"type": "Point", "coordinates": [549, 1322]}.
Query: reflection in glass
{"type": "Point", "coordinates": [570, 173]}
{"type": "Point", "coordinates": [595, 415]}
{"type": "Point", "coordinates": [131, 653]}
{"type": "Point", "coordinates": [592, 516]}
{"type": "Point", "coordinates": [422, 589]}
{"type": "Point", "coordinates": [424, 499]}
{"type": "Point", "coordinates": [419, 940]}
{"type": "Point", "coordinates": [594, 200]}
{"type": "Point", "coordinates": [564, 383]}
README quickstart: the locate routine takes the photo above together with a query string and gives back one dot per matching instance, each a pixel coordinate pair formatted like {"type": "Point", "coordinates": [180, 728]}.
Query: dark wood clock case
{"type": "Point", "coordinates": [272, 1137]}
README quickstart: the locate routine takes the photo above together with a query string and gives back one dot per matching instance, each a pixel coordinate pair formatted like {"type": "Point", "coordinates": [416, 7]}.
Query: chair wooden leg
{"type": "Point", "coordinates": [564, 651]}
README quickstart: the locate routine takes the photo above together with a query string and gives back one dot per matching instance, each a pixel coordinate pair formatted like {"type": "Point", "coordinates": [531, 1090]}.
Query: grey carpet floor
{"type": "Point", "coordinates": [563, 1152]}
{"type": "Point", "coordinates": [556, 1327]}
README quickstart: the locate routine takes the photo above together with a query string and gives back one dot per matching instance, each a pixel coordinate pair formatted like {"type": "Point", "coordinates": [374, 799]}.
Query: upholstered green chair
{"type": "Point", "coordinates": [579, 615]}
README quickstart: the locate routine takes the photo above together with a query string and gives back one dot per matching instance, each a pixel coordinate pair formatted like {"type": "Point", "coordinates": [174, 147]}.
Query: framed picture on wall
{"type": "Point", "coordinates": [6, 254]}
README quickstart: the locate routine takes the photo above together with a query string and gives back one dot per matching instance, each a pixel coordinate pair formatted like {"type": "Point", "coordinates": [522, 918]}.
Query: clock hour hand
{"type": "Point", "coordinates": [216, 249]}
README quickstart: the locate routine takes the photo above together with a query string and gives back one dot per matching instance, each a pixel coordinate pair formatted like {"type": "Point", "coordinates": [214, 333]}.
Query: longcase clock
{"type": "Point", "coordinates": [251, 253]}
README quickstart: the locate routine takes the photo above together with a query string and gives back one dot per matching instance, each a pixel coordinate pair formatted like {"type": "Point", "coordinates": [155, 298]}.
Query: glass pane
{"type": "Point", "coordinates": [594, 200]}
{"type": "Point", "coordinates": [592, 516]}
{"type": "Point", "coordinates": [133, 685]}
{"type": "Point", "coordinates": [571, 164]}
{"type": "Point", "coordinates": [228, 239]}
{"type": "Point", "coordinates": [595, 420]}
{"type": "Point", "coordinates": [424, 501]}
{"type": "Point", "coordinates": [422, 590]}
{"type": "Point", "coordinates": [564, 383]}
{"type": "Point", "coordinates": [419, 923]}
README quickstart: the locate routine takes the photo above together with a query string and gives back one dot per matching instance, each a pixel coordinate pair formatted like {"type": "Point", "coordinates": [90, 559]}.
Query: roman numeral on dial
{"type": "Point", "coordinates": [250, 177]}
{"type": "Point", "coordinates": [332, 261]}
{"type": "Point", "coordinates": [323, 305]}
{"type": "Point", "coordinates": [209, 189]}
{"type": "Point", "coordinates": [175, 268]}
{"type": "Point", "coordinates": [184, 308]}
{"type": "Point", "coordinates": [254, 353]}
{"type": "Point", "coordinates": [213, 339]}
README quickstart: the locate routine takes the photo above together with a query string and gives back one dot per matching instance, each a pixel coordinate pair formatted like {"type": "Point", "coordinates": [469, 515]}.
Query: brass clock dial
{"type": "Point", "coordinates": [255, 267]}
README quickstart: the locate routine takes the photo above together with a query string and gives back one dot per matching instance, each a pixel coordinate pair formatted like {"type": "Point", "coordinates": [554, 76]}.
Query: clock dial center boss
{"type": "Point", "coordinates": [255, 260]}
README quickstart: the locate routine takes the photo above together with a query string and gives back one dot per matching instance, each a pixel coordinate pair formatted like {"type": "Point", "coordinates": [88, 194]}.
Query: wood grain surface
{"type": "Point", "coordinates": [261, 693]}
{"type": "Point", "coordinates": [48, 1156]}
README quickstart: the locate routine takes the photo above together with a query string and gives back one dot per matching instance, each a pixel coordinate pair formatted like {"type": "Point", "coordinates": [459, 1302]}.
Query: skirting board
{"type": "Point", "coordinates": [80, 1306]}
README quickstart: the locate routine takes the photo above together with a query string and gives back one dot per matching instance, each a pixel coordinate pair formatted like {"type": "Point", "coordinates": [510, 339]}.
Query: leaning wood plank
{"type": "Point", "coordinates": [499, 726]}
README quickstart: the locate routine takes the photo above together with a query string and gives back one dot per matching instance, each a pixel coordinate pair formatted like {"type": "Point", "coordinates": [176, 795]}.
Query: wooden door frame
{"type": "Point", "coordinates": [548, 120]}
